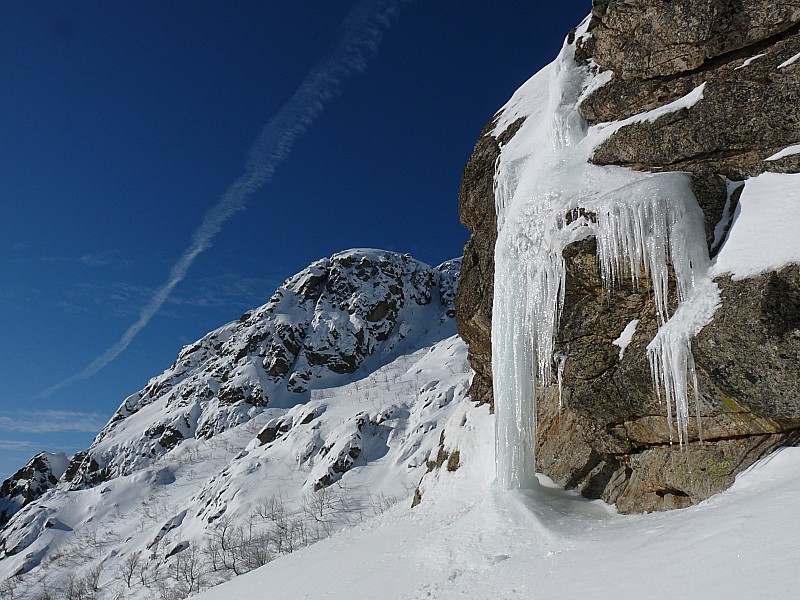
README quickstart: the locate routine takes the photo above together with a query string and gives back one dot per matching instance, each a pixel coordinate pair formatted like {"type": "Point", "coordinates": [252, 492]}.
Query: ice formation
{"type": "Point", "coordinates": [548, 196]}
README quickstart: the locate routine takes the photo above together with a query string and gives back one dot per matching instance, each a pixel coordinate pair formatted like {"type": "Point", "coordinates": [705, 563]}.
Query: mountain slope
{"type": "Point", "coordinates": [339, 317]}
{"type": "Point", "coordinates": [313, 412]}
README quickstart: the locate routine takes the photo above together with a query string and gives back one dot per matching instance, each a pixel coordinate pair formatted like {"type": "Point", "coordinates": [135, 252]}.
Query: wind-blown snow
{"type": "Point", "coordinates": [764, 234]}
{"type": "Point", "coordinates": [788, 151]}
{"type": "Point", "coordinates": [548, 196]}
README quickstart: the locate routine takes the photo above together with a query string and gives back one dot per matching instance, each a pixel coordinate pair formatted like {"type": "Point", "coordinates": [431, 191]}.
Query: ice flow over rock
{"type": "Point", "coordinates": [548, 196]}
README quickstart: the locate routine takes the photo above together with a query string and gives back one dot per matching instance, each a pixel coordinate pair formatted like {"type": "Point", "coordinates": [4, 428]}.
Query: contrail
{"type": "Point", "coordinates": [359, 36]}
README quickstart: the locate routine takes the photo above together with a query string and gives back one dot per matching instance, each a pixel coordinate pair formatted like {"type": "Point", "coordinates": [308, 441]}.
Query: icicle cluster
{"type": "Point", "coordinates": [544, 188]}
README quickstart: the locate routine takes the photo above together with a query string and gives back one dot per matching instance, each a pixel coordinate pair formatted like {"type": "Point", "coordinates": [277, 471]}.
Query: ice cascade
{"type": "Point", "coordinates": [548, 196]}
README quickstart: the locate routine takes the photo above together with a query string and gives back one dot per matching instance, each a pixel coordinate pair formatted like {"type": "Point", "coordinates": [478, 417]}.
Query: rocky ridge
{"type": "Point", "coordinates": [342, 316]}
{"type": "Point", "coordinates": [41, 474]}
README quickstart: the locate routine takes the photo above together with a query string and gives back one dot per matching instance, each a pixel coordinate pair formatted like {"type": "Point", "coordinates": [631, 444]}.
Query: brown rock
{"type": "Point", "coordinates": [607, 434]}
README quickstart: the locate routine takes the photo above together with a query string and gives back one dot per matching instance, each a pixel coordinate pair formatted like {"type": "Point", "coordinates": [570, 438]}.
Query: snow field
{"type": "Point", "coordinates": [472, 539]}
{"type": "Point", "coordinates": [160, 531]}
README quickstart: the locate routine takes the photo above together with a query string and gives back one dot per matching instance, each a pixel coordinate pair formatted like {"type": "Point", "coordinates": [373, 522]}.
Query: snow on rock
{"type": "Point", "coordinates": [625, 337]}
{"type": "Point", "coordinates": [788, 151]}
{"type": "Point", "coordinates": [748, 61]}
{"type": "Point", "coordinates": [763, 235]}
{"type": "Point", "coordinates": [789, 61]}
{"type": "Point", "coordinates": [548, 196]}
{"type": "Point", "coordinates": [341, 316]}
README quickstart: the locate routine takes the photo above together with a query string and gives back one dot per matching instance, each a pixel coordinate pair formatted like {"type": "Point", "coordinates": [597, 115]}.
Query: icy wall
{"type": "Point", "coordinates": [723, 117]}
{"type": "Point", "coordinates": [548, 196]}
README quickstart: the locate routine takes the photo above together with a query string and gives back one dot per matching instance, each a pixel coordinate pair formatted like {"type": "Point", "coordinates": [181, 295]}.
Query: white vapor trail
{"type": "Point", "coordinates": [359, 35]}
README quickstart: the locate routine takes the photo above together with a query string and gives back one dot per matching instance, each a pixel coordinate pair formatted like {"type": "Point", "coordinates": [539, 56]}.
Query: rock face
{"type": "Point", "coordinates": [611, 438]}
{"type": "Point", "coordinates": [30, 482]}
{"type": "Point", "coordinates": [354, 311]}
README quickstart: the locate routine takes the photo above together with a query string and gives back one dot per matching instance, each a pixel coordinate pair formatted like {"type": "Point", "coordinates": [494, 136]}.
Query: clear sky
{"type": "Point", "coordinates": [122, 123]}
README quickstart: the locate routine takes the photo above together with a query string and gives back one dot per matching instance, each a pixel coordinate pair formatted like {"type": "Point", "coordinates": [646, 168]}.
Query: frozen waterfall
{"type": "Point", "coordinates": [548, 196]}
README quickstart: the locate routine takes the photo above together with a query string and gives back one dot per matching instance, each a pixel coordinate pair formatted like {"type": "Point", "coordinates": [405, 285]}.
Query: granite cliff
{"type": "Point", "coordinates": [611, 437]}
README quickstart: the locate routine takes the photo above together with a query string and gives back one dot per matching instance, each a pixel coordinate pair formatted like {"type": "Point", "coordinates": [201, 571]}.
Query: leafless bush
{"type": "Point", "coordinates": [286, 531]}
{"type": "Point", "coordinates": [129, 567]}
{"type": "Point", "coordinates": [189, 571]}
{"type": "Point", "coordinates": [322, 507]}
{"type": "Point", "coordinates": [80, 588]}
{"type": "Point", "coordinates": [8, 588]}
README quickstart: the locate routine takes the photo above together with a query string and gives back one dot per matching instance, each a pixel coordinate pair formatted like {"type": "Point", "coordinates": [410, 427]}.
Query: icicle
{"type": "Point", "coordinates": [561, 360]}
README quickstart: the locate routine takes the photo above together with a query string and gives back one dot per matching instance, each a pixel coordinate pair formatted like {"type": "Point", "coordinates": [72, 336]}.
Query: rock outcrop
{"type": "Point", "coordinates": [30, 483]}
{"type": "Point", "coordinates": [611, 438]}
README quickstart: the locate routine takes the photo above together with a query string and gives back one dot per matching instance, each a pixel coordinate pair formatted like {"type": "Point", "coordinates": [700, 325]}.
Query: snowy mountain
{"type": "Point", "coordinates": [630, 301]}
{"type": "Point", "coordinates": [340, 318]}
{"type": "Point", "coordinates": [316, 410]}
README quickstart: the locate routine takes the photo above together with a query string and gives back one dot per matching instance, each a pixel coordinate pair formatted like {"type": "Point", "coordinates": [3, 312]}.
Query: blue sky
{"type": "Point", "coordinates": [123, 123]}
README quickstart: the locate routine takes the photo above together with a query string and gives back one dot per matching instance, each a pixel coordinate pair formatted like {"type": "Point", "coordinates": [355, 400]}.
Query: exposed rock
{"type": "Point", "coordinates": [30, 483]}
{"type": "Point", "coordinates": [748, 111]}
{"type": "Point", "coordinates": [611, 438]}
{"type": "Point", "coordinates": [644, 39]}
{"type": "Point", "coordinates": [476, 282]}
{"type": "Point", "coordinates": [355, 310]}
{"type": "Point", "coordinates": [607, 434]}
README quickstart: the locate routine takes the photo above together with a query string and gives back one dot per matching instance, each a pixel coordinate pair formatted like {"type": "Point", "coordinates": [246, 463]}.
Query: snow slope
{"type": "Point", "coordinates": [470, 539]}
{"type": "Point", "coordinates": [161, 505]}
{"type": "Point", "coordinates": [242, 479]}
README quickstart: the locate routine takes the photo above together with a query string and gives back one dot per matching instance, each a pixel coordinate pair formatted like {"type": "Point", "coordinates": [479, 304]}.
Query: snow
{"type": "Point", "coordinates": [395, 417]}
{"type": "Point", "coordinates": [788, 151]}
{"type": "Point", "coordinates": [748, 61]}
{"type": "Point", "coordinates": [603, 131]}
{"type": "Point", "coordinates": [545, 192]}
{"type": "Point", "coordinates": [763, 236]}
{"type": "Point", "coordinates": [625, 337]}
{"type": "Point", "coordinates": [473, 540]}
{"type": "Point", "coordinates": [790, 61]}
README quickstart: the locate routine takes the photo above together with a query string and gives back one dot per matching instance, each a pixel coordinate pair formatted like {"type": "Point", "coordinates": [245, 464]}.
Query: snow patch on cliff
{"type": "Point", "coordinates": [763, 236]}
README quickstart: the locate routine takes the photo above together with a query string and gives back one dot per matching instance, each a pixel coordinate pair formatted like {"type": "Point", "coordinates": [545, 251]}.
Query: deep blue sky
{"type": "Point", "coordinates": [121, 123]}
